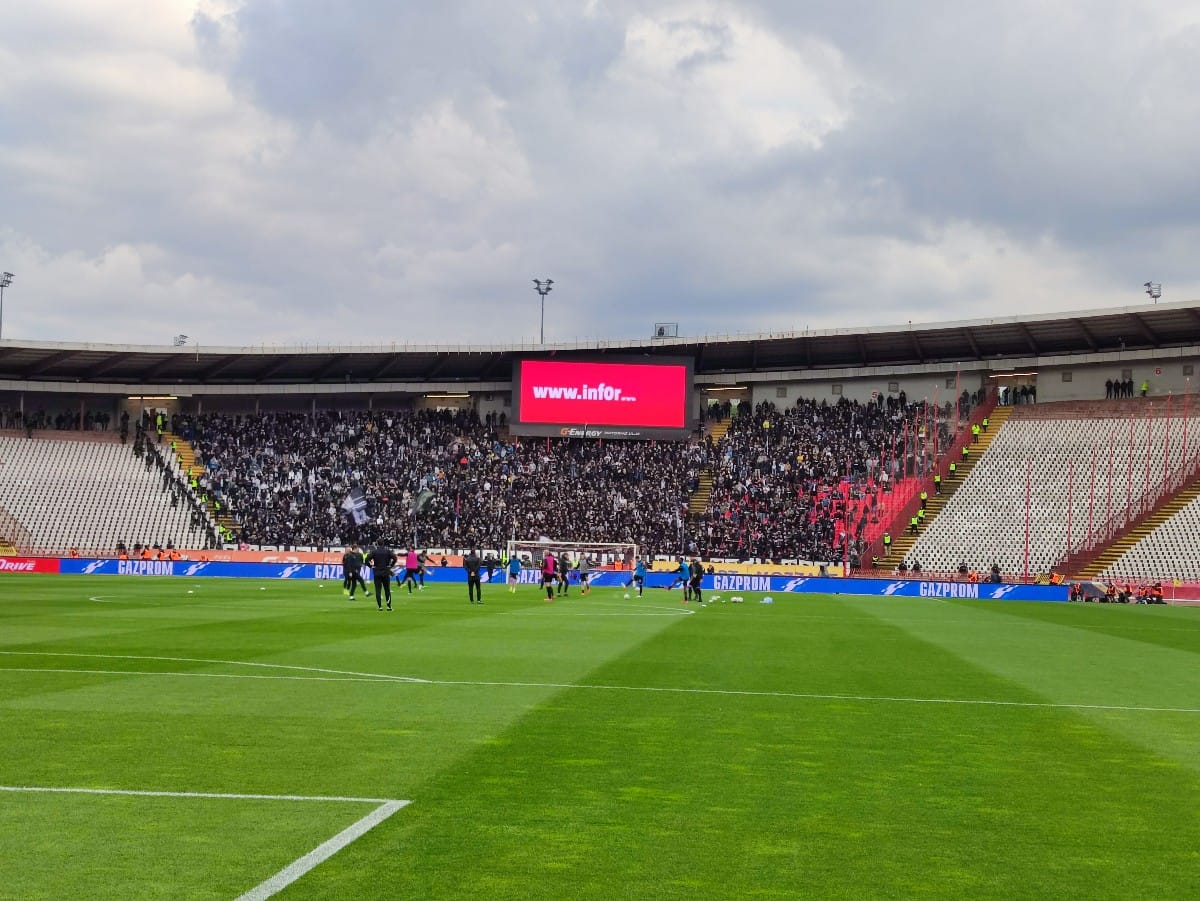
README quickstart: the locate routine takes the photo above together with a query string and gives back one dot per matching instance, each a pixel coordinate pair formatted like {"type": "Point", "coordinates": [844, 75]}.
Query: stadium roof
{"type": "Point", "coordinates": [1143, 327]}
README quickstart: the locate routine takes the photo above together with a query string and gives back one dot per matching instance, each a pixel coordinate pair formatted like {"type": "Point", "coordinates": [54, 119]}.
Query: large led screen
{"type": "Point", "coordinates": [602, 400]}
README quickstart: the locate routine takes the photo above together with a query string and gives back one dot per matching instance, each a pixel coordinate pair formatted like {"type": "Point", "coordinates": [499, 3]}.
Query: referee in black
{"type": "Point", "coordinates": [381, 560]}
{"type": "Point", "coordinates": [472, 564]}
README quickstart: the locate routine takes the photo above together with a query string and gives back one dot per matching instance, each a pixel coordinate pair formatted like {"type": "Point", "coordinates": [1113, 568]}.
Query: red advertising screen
{"type": "Point", "coordinates": [623, 395]}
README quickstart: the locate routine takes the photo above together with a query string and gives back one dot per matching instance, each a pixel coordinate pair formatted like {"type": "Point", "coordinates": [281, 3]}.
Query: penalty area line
{"type": "Point", "coordinates": [294, 870]}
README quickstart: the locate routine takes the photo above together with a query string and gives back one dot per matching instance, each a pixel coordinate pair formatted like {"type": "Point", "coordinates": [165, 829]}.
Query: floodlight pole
{"type": "Point", "coordinates": [543, 287]}
{"type": "Point", "coordinates": [1154, 289]}
{"type": "Point", "coordinates": [5, 280]}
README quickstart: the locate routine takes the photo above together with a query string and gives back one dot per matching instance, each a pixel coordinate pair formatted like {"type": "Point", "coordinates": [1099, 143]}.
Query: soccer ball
{"type": "Point", "coordinates": [627, 595]}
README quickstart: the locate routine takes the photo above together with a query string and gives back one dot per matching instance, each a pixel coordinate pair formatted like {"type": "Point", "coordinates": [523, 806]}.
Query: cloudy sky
{"type": "Point", "coordinates": [250, 171]}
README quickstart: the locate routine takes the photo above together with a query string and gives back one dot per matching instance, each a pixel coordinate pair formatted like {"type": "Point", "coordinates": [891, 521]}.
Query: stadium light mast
{"type": "Point", "coordinates": [5, 280]}
{"type": "Point", "coordinates": [543, 287]}
{"type": "Point", "coordinates": [180, 340]}
{"type": "Point", "coordinates": [1154, 289]}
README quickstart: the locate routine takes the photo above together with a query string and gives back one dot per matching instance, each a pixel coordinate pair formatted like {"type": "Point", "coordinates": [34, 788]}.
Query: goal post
{"type": "Point", "coordinates": [599, 554]}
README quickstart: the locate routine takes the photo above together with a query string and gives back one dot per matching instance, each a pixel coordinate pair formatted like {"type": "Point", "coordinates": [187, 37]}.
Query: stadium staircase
{"type": "Point", "coordinates": [903, 542]}
{"type": "Point", "coordinates": [698, 502]}
{"type": "Point", "coordinates": [1105, 557]}
{"type": "Point", "coordinates": [192, 468]}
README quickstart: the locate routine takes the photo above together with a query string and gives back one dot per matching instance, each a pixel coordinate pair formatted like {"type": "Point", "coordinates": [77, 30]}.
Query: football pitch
{"type": "Point", "coordinates": [176, 738]}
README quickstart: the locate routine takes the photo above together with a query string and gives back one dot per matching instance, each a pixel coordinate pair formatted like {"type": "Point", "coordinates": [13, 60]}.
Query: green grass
{"type": "Point", "coordinates": [803, 749]}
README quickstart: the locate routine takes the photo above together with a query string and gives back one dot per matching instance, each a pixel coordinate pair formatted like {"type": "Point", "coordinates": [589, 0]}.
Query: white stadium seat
{"type": "Point", "coordinates": [984, 521]}
{"type": "Point", "coordinates": [88, 495]}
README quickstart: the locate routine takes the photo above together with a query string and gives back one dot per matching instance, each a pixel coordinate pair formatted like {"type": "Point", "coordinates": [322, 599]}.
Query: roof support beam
{"type": "Point", "coordinates": [388, 365]}
{"type": "Point", "coordinates": [1140, 323]}
{"type": "Point", "coordinates": [971, 341]}
{"type": "Point", "coordinates": [108, 365]}
{"type": "Point", "coordinates": [862, 350]}
{"type": "Point", "coordinates": [275, 367]}
{"type": "Point", "coordinates": [329, 367]}
{"type": "Point", "coordinates": [220, 366]}
{"type": "Point", "coordinates": [1087, 334]}
{"type": "Point", "coordinates": [917, 347]}
{"type": "Point", "coordinates": [438, 366]}
{"type": "Point", "coordinates": [1024, 329]}
{"type": "Point", "coordinates": [47, 363]}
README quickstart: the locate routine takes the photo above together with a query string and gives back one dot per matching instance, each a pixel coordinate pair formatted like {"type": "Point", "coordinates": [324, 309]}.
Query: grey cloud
{"type": "Point", "coordinates": [294, 168]}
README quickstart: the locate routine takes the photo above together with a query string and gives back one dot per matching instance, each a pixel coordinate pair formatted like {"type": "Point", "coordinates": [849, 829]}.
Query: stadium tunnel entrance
{"type": "Point", "coordinates": [1014, 388]}
{"type": "Point", "coordinates": [719, 401]}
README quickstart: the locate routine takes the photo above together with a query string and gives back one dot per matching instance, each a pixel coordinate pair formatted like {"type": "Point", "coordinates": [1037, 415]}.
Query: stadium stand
{"type": "Point", "coordinates": [1169, 547]}
{"type": "Point", "coordinates": [443, 479]}
{"type": "Point", "coordinates": [1092, 468]}
{"type": "Point", "coordinates": [452, 480]}
{"type": "Point", "coordinates": [794, 483]}
{"type": "Point", "coordinates": [903, 538]}
{"type": "Point", "coordinates": [78, 490]}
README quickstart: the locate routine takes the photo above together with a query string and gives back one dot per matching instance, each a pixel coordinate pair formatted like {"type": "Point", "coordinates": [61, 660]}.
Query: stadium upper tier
{"type": "Point", "coordinates": [489, 367]}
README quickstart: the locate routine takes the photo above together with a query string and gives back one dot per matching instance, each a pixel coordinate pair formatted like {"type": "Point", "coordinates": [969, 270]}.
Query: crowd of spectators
{"type": "Point", "coordinates": [804, 482]}
{"type": "Point", "coordinates": [40, 420]}
{"type": "Point", "coordinates": [786, 484]}
{"type": "Point", "coordinates": [440, 479]}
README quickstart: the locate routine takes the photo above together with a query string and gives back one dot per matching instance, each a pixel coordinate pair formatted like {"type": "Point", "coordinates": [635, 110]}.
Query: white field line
{"type": "Point", "coordinates": [166, 794]}
{"type": "Point", "coordinates": [728, 692]}
{"type": "Point", "coordinates": [298, 867]}
{"type": "Point", "coordinates": [308, 669]}
{"type": "Point", "coordinates": [321, 853]}
{"type": "Point", "coordinates": [129, 672]}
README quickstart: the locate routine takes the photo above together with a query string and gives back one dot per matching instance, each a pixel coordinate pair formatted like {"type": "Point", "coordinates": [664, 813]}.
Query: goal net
{"type": "Point", "coordinates": [599, 555]}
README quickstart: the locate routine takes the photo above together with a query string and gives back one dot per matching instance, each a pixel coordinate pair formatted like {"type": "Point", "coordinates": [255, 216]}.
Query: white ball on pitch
{"type": "Point", "coordinates": [190, 591]}
{"type": "Point", "coordinates": [627, 595]}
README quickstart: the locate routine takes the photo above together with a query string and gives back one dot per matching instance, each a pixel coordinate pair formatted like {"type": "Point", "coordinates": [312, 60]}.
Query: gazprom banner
{"type": "Point", "coordinates": [901, 588]}
{"type": "Point", "coordinates": [907, 588]}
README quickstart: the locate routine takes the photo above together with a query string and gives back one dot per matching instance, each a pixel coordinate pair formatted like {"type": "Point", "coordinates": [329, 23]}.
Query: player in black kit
{"type": "Point", "coordinates": [381, 560]}
{"type": "Point", "coordinates": [472, 565]}
{"type": "Point", "coordinates": [352, 562]}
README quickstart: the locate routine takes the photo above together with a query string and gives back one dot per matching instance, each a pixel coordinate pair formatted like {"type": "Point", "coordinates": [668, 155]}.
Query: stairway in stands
{"type": "Point", "coordinates": [193, 470]}
{"type": "Point", "coordinates": [903, 543]}
{"type": "Point", "coordinates": [1139, 530]}
{"type": "Point", "coordinates": [698, 502]}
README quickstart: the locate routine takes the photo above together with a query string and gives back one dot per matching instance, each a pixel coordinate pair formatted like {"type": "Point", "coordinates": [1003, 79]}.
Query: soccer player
{"type": "Point", "coordinates": [563, 573]}
{"type": "Point", "coordinates": [514, 573]}
{"type": "Point", "coordinates": [549, 565]}
{"type": "Point", "coordinates": [381, 559]}
{"type": "Point", "coordinates": [585, 572]}
{"type": "Point", "coordinates": [352, 562]}
{"type": "Point", "coordinates": [639, 577]}
{"type": "Point", "coordinates": [411, 565]}
{"type": "Point", "coordinates": [682, 577]}
{"type": "Point", "coordinates": [347, 564]}
{"type": "Point", "coordinates": [422, 563]}
{"type": "Point", "coordinates": [697, 571]}
{"type": "Point", "coordinates": [472, 565]}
